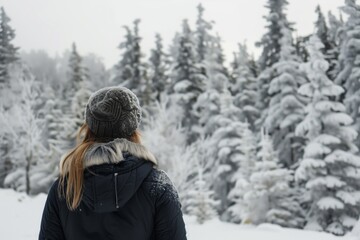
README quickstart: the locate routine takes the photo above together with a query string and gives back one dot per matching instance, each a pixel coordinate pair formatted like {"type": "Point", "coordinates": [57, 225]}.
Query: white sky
{"type": "Point", "coordinates": [96, 25]}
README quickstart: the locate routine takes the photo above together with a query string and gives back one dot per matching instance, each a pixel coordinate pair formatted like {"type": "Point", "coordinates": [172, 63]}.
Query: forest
{"type": "Point", "coordinates": [273, 139]}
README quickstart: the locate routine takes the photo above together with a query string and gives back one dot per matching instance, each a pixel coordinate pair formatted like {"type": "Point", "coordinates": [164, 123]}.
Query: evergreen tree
{"type": "Point", "coordinates": [200, 202]}
{"type": "Point", "coordinates": [335, 39]}
{"type": "Point", "coordinates": [203, 38]}
{"type": "Point", "coordinates": [54, 129]}
{"type": "Point", "coordinates": [271, 48]}
{"type": "Point", "coordinates": [286, 108]}
{"type": "Point", "coordinates": [8, 55]}
{"type": "Point", "coordinates": [329, 166]}
{"type": "Point", "coordinates": [79, 94]}
{"type": "Point", "coordinates": [270, 42]}
{"type": "Point", "coordinates": [158, 68]}
{"type": "Point", "coordinates": [267, 196]}
{"type": "Point", "coordinates": [350, 63]}
{"type": "Point", "coordinates": [131, 69]}
{"type": "Point", "coordinates": [76, 76]}
{"type": "Point", "coordinates": [244, 85]}
{"type": "Point", "coordinates": [225, 152]}
{"type": "Point", "coordinates": [245, 168]}
{"type": "Point", "coordinates": [321, 29]}
{"type": "Point", "coordinates": [8, 52]}
{"type": "Point", "coordinates": [335, 26]}
{"type": "Point", "coordinates": [329, 50]}
{"type": "Point", "coordinates": [187, 79]}
{"type": "Point", "coordinates": [207, 106]}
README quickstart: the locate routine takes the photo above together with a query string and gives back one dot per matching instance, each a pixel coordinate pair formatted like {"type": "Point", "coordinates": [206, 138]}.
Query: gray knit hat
{"type": "Point", "coordinates": [113, 112]}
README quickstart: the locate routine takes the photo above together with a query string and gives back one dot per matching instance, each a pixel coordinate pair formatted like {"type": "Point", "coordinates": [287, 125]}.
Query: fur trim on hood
{"type": "Point", "coordinates": [111, 152]}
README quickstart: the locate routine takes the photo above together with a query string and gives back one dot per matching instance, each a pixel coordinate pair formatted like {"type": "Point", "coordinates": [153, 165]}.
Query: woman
{"type": "Point", "coordinates": [109, 187]}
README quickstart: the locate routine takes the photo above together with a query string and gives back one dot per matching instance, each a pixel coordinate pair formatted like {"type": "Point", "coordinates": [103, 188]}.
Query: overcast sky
{"type": "Point", "coordinates": [96, 25]}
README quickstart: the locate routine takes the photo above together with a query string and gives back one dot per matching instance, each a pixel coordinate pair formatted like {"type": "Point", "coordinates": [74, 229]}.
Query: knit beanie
{"type": "Point", "coordinates": [113, 112]}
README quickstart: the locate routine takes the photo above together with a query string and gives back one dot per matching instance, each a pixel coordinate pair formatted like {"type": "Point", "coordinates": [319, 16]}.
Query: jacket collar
{"type": "Point", "coordinates": [112, 152]}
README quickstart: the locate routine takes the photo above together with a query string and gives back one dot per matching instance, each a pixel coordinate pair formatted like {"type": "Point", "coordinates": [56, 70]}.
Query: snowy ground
{"type": "Point", "coordinates": [20, 219]}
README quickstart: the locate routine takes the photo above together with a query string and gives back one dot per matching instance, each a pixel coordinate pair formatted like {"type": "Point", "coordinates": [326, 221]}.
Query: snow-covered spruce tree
{"type": "Point", "coordinates": [73, 118]}
{"type": "Point", "coordinates": [244, 86]}
{"type": "Point", "coordinates": [271, 47]}
{"type": "Point", "coordinates": [8, 52]}
{"type": "Point", "coordinates": [76, 75]}
{"type": "Point", "coordinates": [245, 167]}
{"type": "Point", "coordinates": [207, 106]}
{"type": "Point", "coordinates": [187, 80]}
{"type": "Point", "coordinates": [267, 197]}
{"type": "Point", "coordinates": [270, 42]}
{"type": "Point", "coordinates": [335, 36]}
{"type": "Point", "coordinates": [131, 70]}
{"type": "Point", "coordinates": [349, 61]}
{"type": "Point", "coordinates": [202, 35]}
{"type": "Point", "coordinates": [199, 200]}
{"type": "Point", "coordinates": [158, 68]}
{"type": "Point", "coordinates": [8, 55]}
{"type": "Point", "coordinates": [78, 105]}
{"type": "Point", "coordinates": [224, 150]}
{"type": "Point", "coordinates": [286, 107]}
{"type": "Point", "coordinates": [321, 29]}
{"type": "Point", "coordinates": [329, 169]}
{"type": "Point", "coordinates": [329, 50]}
{"type": "Point", "coordinates": [54, 129]}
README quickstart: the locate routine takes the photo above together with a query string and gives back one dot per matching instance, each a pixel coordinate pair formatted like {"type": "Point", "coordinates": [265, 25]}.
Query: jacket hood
{"type": "Point", "coordinates": [114, 171]}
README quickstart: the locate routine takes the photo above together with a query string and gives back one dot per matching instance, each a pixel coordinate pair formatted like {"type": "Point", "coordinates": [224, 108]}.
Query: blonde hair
{"type": "Point", "coordinates": [72, 167]}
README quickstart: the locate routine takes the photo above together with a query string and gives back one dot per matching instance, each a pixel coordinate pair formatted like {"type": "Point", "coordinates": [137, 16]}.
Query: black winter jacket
{"type": "Point", "coordinates": [125, 198]}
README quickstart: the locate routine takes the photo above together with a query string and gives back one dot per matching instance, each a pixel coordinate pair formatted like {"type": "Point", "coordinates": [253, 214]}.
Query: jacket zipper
{"type": "Point", "coordinates": [116, 193]}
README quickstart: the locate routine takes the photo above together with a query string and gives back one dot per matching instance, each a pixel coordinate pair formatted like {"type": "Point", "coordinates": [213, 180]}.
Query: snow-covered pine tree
{"type": "Point", "coordinates": [271, 47]}
{"type": "Point", "coordinates": [8, 55]}
{"type": "Point", "coordinates": [321, 29]}
{"type": "Point", "coordinates": [73, 118]}
{"type": "Point", "coordinates": [78, 105]}
{"type": "Point", "coordinates": [207, 106]}
{"type": "Point", "coordinates": [8, 52]}
{"type": "Point", "coordinates": [131, 70]}
{"type": "Point", "coordinates": [329, 50]}
{"type": "Point", "coordinates": [187, 80]}
{"type": "Point", "coordinates": [54, 129]}
{"type": "Point", "coordinates": [335, 26]}
{"type": "Point", "coordinates": [244, 86]}
{"type": "Point", "coordinates": [200, 198]}
{"type": "Point", "coordinates": [158, 68]}
{"type": "Point", "coordinates": [245, 168]}
{"type": "Point", "coordinates": [202, 35]}
{"type": "Point", "coordinates": [335, 38]}
{"type": "Point", "coordinates": [76, 75]}
{"type": "Point", "coordinates": [224, 152]}
{"type": "Point", "coordinates": [329, 169]}
{"type": "Point", "coordinates": [267, 197]}
{"type": "Point", "coordinates": [270, 42]}
{"type": "Point", "coordinates": [349, 61]}
{"type": "Point", "coordinates": [286, 107]}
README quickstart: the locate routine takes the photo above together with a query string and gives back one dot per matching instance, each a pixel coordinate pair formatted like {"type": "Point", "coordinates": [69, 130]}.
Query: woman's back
{"type": "Point", "coordinates": [109, 187]}
{"type": "Point", "coordinates": [122, 199]}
